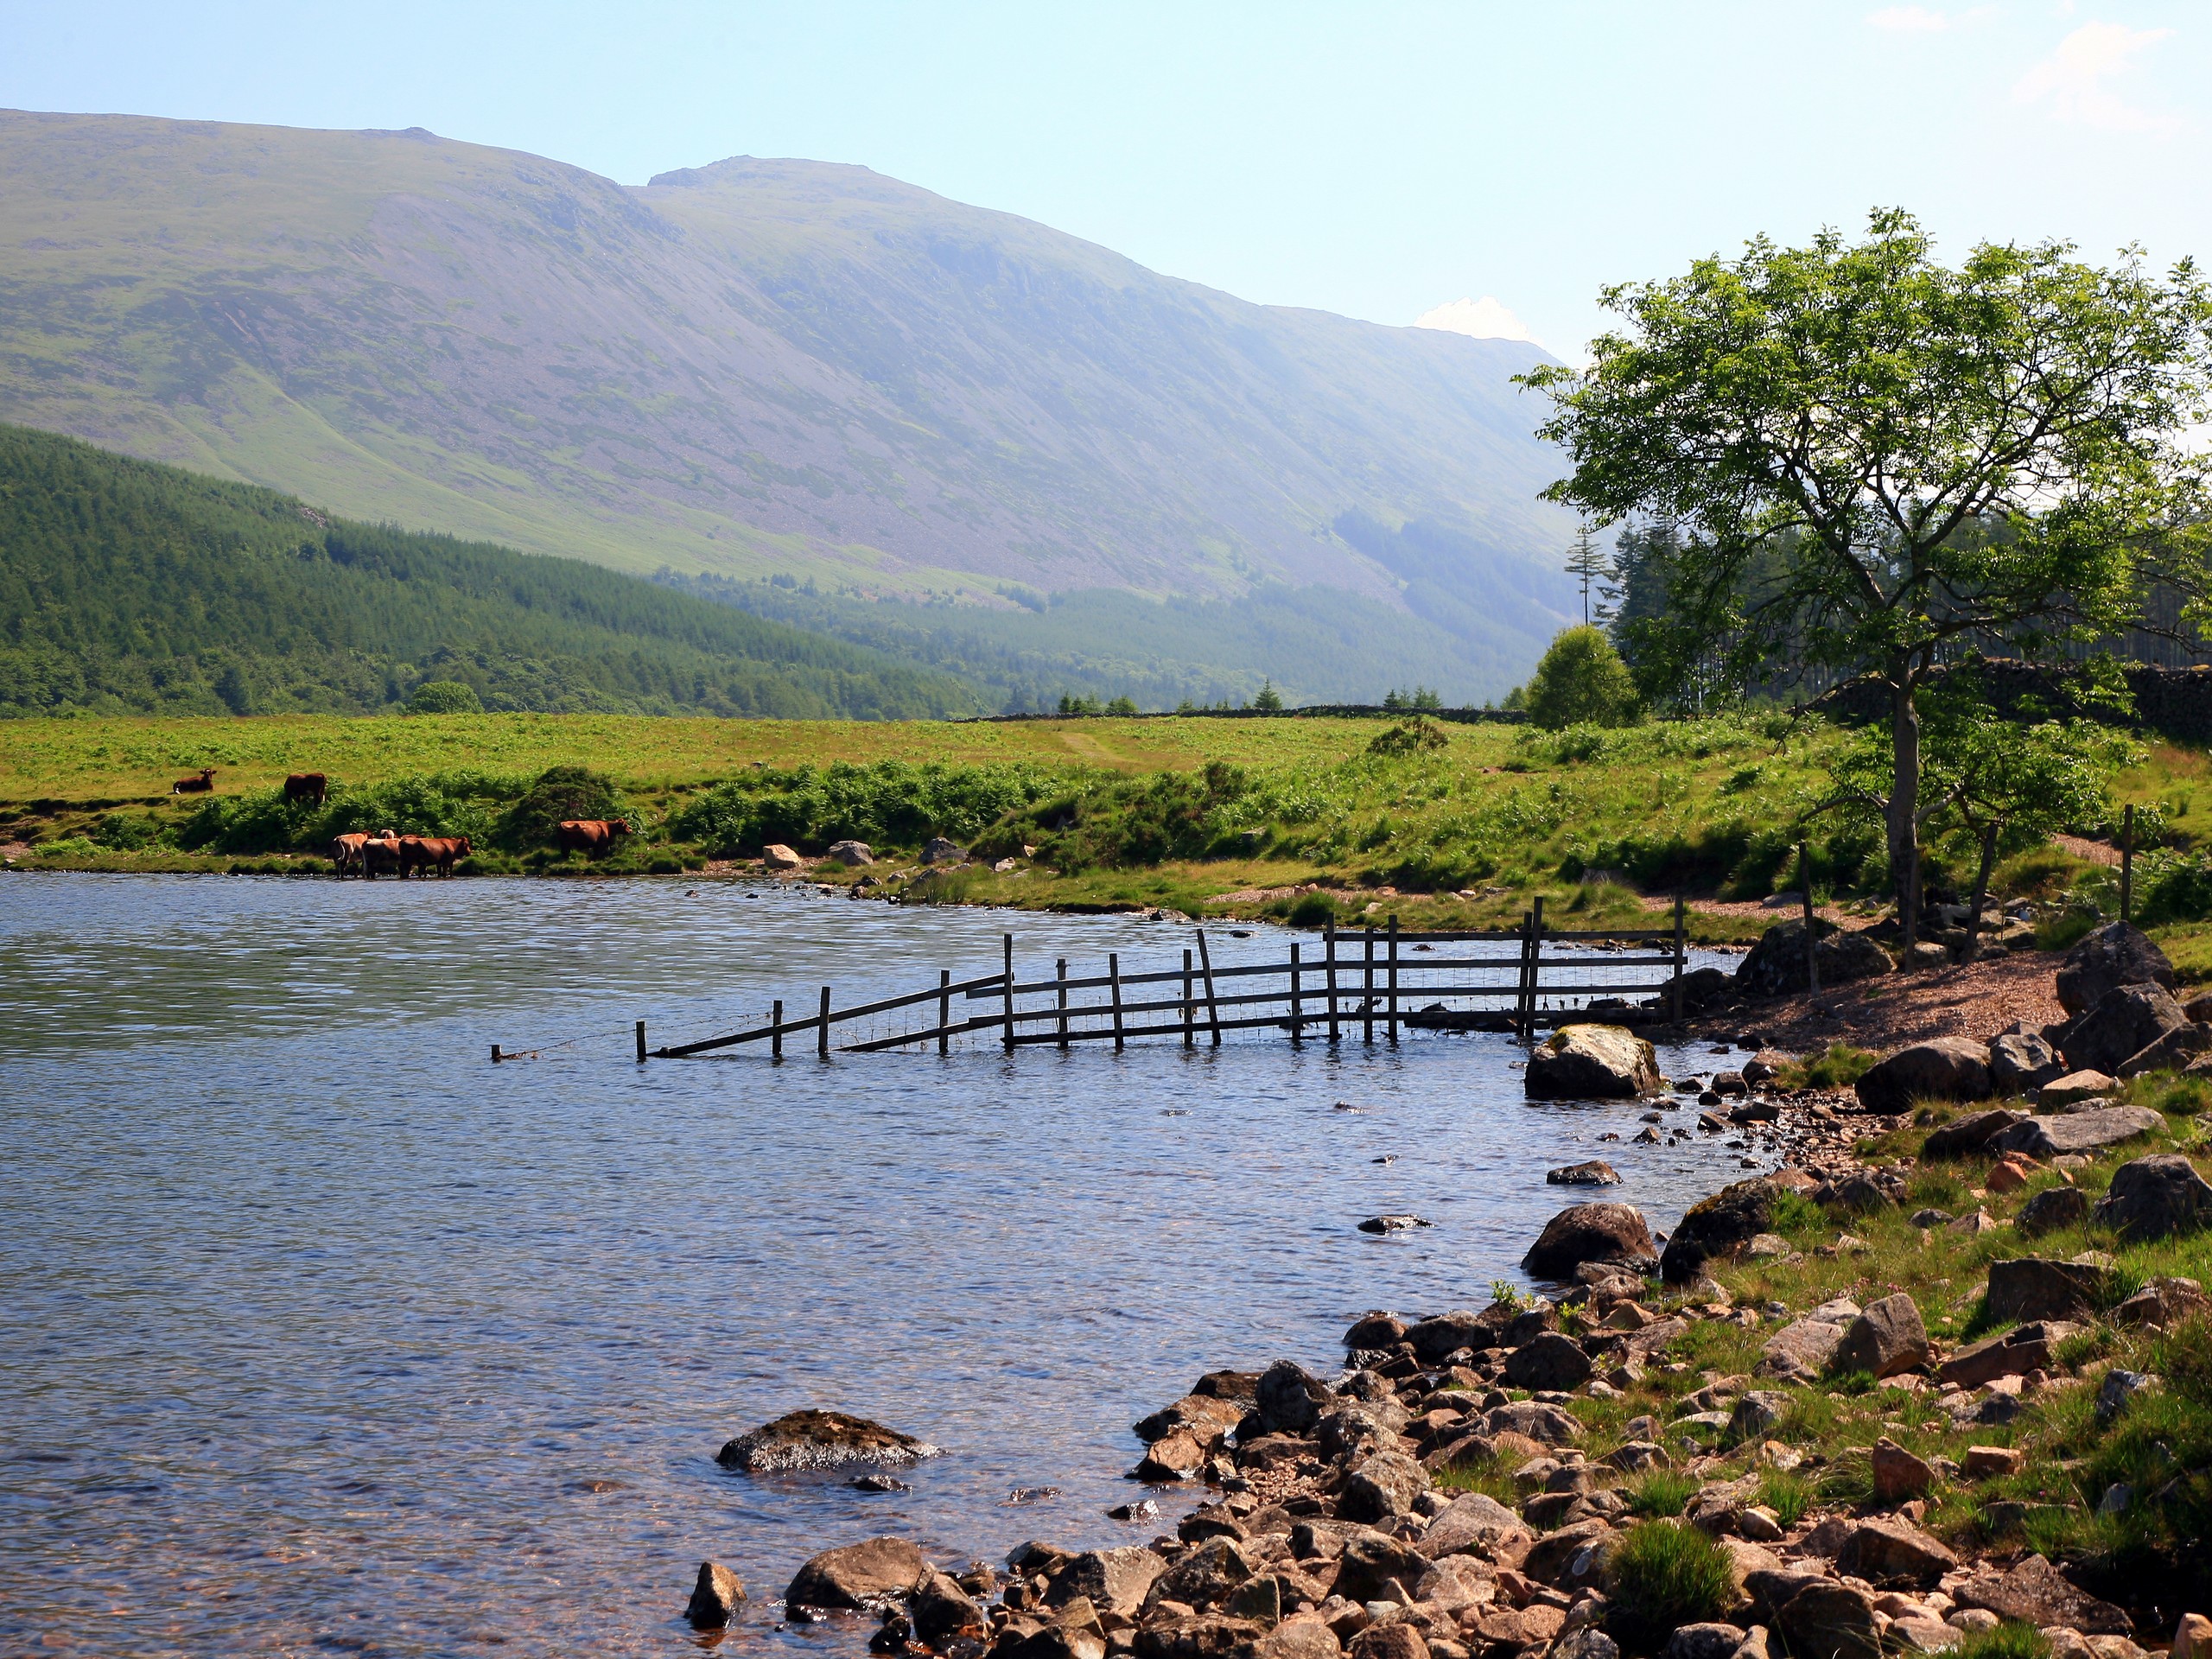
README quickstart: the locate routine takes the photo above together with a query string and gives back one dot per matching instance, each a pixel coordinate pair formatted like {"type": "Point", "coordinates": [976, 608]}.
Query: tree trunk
{"type": "Point", "coordinates": [1981, 891]}
{"type": "Point", "coordinates": [1905, 805]}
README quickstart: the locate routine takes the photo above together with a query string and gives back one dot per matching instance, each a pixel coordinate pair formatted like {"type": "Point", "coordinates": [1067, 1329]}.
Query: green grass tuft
{"type": "Point", "coordinates": [1665, 1574]}
{"type": "Point", "coordinates": [1660, 1492]}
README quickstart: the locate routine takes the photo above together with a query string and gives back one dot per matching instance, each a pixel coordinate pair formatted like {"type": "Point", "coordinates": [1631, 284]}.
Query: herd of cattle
{"type": "Point", "coordinates": [388, 852]}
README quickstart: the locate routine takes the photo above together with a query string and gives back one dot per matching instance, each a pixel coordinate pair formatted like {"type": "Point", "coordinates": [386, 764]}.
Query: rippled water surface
{"type": "Point", "coordinates": [318, 1331]}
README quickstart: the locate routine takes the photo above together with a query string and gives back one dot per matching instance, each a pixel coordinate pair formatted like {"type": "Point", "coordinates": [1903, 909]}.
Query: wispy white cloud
{"type": "Point", "coordinates": [2075, 81]}
{"type": "Point", "coordinates": [1923, 19]}
{"type": "Point", "coordinates": [1483, 319]}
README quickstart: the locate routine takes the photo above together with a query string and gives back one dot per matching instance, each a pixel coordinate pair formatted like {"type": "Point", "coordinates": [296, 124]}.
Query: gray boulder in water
{"type": "Point", "coordinates": [820, 1440]}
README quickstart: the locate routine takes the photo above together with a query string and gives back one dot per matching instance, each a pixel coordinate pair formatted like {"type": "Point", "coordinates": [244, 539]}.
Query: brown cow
{"type": "Point", "coordinates": [199, 785]}
{"type": "Point", "coordinates": [346, 852]}
{"type": "Point", "coordinates": [592, 836]}
{"type": "Point", "coordinates": [421, 851]}
{"type": "Point", "coordinates": [305, 786]}
{"type": "Point", "coordinates": [379, 853]}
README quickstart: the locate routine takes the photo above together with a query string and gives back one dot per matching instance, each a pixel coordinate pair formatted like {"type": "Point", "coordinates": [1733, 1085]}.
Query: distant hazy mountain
{"type": "Point", "coordinates": [751, 368]}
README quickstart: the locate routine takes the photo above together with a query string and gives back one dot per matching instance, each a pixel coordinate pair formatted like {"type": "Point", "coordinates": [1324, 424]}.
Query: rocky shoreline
{"type": "Point", "coordinates": [1586, 1475]}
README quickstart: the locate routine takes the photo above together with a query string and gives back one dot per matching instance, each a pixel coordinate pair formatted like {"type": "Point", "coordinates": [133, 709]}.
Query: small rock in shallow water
{"type": "Point", "coordinates": [879, 1484]}
{"type": "Point", "coordinates": [714, 1598]}
{"type": "Point", "coordinates": [1144, 1511]}
{"type": "Point", "coordinates": [1387, 1158]}
{"type": "Point", "coordinates": [1031, 1494]}
{"type": "Point", "coordinates": [1392, 1224]}
{"type": "Point", "coordinates": [820, 1440]}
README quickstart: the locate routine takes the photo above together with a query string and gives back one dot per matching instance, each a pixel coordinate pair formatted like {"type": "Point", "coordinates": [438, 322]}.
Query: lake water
{"type": "Point", "coordinates": [317, 1331]}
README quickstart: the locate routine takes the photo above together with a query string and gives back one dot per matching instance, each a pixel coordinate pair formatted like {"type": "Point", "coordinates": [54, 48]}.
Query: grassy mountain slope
{"type": "Point", "coordinates": [130, 586]}
{"type": "Point", "coordinates": [749, 368]}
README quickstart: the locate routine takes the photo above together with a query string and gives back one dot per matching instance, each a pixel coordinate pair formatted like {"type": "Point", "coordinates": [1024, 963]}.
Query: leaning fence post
{"type": "Point", "coordinates": [2127, 863]}
{"type": "Point", "coordinates": [1060, 987]}
{"type": "Point", "coordinates": [775, 1032]}
{"type": "Point", "coordinates": [1394, 978]}
{"type": "Point", "coordinates": [1213, 1009]}
{"type": "Point", "coordinates": [1297, 1025]}
{"type": "Point", "coordinates": [944, 1011]}
{"type": "Point", "coordinates": [1114, 978]}
{"type": "Point", "coordinates": [1330, 936]}
{"type": "Point", "coordinates": [1190, 1023]}
{"type": "Point", "coordinates": [1681, 957]}
{"type": "Point", "coordinates": [822, 1028]}
{"type": "Point", "coordinates": [641, 1042]}
{"type": "Point", "coordinates": [1008, 996]}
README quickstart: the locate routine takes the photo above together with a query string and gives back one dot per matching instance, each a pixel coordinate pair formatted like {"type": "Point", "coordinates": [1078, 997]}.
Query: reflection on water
{"type": "Point", "coordinates": [318, 1330]}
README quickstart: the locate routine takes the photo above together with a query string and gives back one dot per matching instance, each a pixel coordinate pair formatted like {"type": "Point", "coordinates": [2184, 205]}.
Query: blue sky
{"type": "Point", "coordinates": [1374, 160]}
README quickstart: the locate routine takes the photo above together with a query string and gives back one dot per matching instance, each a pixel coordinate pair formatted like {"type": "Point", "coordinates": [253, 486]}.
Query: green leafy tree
{"type": "Point", "coordinates": [1269, 699]}
{"type": "Point", "coordinates": [1581, 682]}
{"type": "Point", "coordinates": [1911, 458]}
{"type": "Point", "coordinates": [1122, 706]}
{"type": "Point", "coordinates": [445, 697]}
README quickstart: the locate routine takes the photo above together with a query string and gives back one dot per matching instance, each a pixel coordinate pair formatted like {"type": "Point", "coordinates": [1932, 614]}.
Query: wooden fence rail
{"type": "Point", "coordinates": [1364, 983]}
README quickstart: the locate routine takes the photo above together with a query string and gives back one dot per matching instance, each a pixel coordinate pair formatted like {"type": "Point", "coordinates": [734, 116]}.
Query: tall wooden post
{"type": "Point", "coordinates": [2127, 864]}
{"type": "Point", "coordinates": [1682, 954]}
{"type": "Point", "coordinates": [1520, 983]}
{"type": "Point", "coordinates": [1394, 978]}
{"type": "Point", "coordinates": [1213, 1007]}
{"type": "Point", "coordinates": [822, 1028]}
{"type": "Point", "coordinates": [1114, 975]}
{"type": "Point", "coordinates": [1060, 989]}
{"type": "Point", "coordinates": [1007, 999]}
{"type": "Point", "coordinates": [1190, 1017]}
{"type": "Point", "coordinates": [1297, 1025]}
{"type": "Point", "coordinates": [641, 1042]}
{"type": "Point", "coordinates": [775, 1032]}
{"type": "Point", "coordinates": [1367, 984]}
{"type": "Point", "coordinates": [1536, 963]}
{"type": "Point", "coordinates": [1812, 953]}
{"type": "Point", "coordinates": [1331, 937]}
{"type": "Point", "coordinates": [944, 1011]}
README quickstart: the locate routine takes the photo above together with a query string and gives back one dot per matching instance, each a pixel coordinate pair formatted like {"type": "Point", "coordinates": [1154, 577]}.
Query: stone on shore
{"type": "Point", "coordinates": [2156, 1198]}
{"type": "Point", "coordinates": [1582, 1233]}
{"type": "Point", "coordinates": [852, 854]}
{"type": "Point", "coordinates": [2162, 1302]}
{"type": "Point", "coordinates": [1970, 1134]}
{"type": "Point", "coordinates": [1898, 1475]}
{"type": "Point", "coordinates": [2170, 1051]}
{"type": "Point", "coordinates": [1380, 1486]}
{"type": "Point", "coordinates": [2026, 1288]}
{"type": "Point", "coordinates": [2051, 1209]}
{"type": "Point", "coordinates": [714, 1598]}
{"type": "Point", "coordinates": [1776, 965]}
{"type": "Point", "coordinates": [1397, 1223]}
{"type": "Point", "coordinates": [1375, 1330]}
{"type": "Point", "coordinates": [2025, 1349]}
{"type": "Point", "coordinates": [859, 1576]}
{"type": "Point", "coordinates": [1593, 1063]}
{"type": "Point", "coordinates": [1893, 1552]}
{"type": "Point", "coordinates": [1372, 1562]}
{"type": "Point", "coordinates": [2075, 1087]}
{"type": "Point", "coordinates": [2035, 1593]}
{"type": "Point", "coordinates": [1802, 1349]}
{"type": "Point", "coordinates": [1552, 1362]}
{"type": "Point", "coordinates": [1433, 1339]}
{"type": "Point", "coordinates": [2089, 1130]}
{"type": "Point", "coordinates": [1944, 1068]}
{"type": "Point", "coordinates": [2020, 1062]}
{"type": "Point", "coordinates": [1829, 1620]}
{"type": "Point", "coordinates": [1471, 1518]}
{"type": "Point", "coordinates": [1718, 1228]}
{"type": "Point", "coordinates": [820, 1440]}
{"type": "Point", "coordinates": [1886, 1337]}
{"type": "Point", "coordinates": [1291, 1397]}
{"type": "Point", "coordinates": [2120, 1025]}
{"type": "Point", "coordinates": [1703, 1642]}
{"type": "Point", "coordinates": [2100, 963]}
{"type": "Point", "coordinates": [943, 1613]}
{"type": "Point", "coordinates": [777, 856]}
{"type": "Point", "coordinates": [938, 850]}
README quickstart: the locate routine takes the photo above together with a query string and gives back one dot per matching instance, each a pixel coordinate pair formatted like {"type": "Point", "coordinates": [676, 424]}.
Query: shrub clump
{"type": "Point", "coordinates": [561, 794]}
{"type": "Point", "coordinates": [1664, 1574]}
{"type": "Point", "coordinates": [445, 697]}
{"type": "Point", "coordinates": [1581, 682]}
{"type": "Point", "coordinates": [1414, 736]}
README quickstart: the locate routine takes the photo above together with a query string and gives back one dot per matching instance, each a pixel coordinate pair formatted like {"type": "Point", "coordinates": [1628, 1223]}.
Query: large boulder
{"type": "Point", "coordinates": [943, 1613]}
{"type": "Point", "coordinates": [1806, 1346]}
{"type": "Point", "coordinates": [2051, 1209]}
{"type": "Point", "coordinates": [1776, 965]}
{"type": "Point", "coordinates": [1381, 1486]}
{"type": "Point", "coordinates": [1970, 1134]}
{"type": "Point", "coordinates": [1718, 1228]}
{"type": "Point", "coordinates": [1291, 1397]}
{"type": "Point", "coordinates": [1893, 1552]}
{"type": "Point", "coordinates": [859, 1576]}
{"type": "Point", "coordinates": [1885, 1339]}
{"type": "Point", "coordinates": [1829, 1620]}
{"type": "Point", "coordinates": [2035, 1594]}
{"type": "Point", "coordinates": [1433, 1339]}
{"type": "Point", "coordinates": [2115, 954]}
{"type": "Point", "coordinates": [2156, 1198]}
{"type": "Point", "coordinates": [2084, 1131]}
{"type": "Point", "coordinates": [2021, 1062]}
{"type": "Point", "coordinates": [2027, 1288]}
{"type": "Point", "coordinates": [820, 1440]}
{"type": "Point", "coordinates": [1944, 1068]}
{"type": "Point", "coordinates": [1112, 1580]}
{"type": "Point", "coordinates": [2119, 1026]}
{"type": "Point", "coordinates": [1471, 1518]}
{"type": "Point", "coordinates": [1591, 1232]}
{"type": "Point", "coordinates": [1552, 1362]}
{"type": "Point", "coordinates": [1593, 1063]}
{"type": "Point", "coordinates": [2170, 1050]}
{"type": "Point", "coordinates": [2024, 1349]}
{"type": "Point", "coordinates": [1372, 1561]}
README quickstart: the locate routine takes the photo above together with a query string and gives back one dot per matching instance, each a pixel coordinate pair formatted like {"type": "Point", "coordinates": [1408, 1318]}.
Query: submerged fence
{"type": "Point", "coordinates": [1363, 979]}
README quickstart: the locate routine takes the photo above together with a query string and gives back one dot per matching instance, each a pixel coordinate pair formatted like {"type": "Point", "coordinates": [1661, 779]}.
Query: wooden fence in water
{"type": "Point", "coordinates": [1363, 979]}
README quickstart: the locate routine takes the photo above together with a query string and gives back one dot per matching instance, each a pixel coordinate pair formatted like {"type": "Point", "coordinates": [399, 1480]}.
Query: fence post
{"type": "Point", "coordinates": [1190, 1023]}
{"type": "Point", "coordinates": [1367, 984]}
{"type": "Point", "coordinates": [1521, 1020]}
{"type": "Point", "coordinates": [822, 1029]}
{"type": "Point", "coordinates": [1114, 975]}
{"type": "Point", "coordinates": [1008, 997]}
{"type": "Point", "coordinates": [1297, 1025]}
{"type": "Point", "coordinates": [1536, 965]}
{"type": "Point", "coordinates": [1331, 937]}
{"type": "Point", "coordinates": [1213, 1009]}
{"type": "Point", "coordinates": [1394, 978]}
{"type": "Point", "coordinates": [641, 1042]}
{"type": "Point", "coordinates": [496, 1056]}
{"type": "Point", "coordinates": [944, 1011]}
{"type": "Point", "coordinates": [775, 1032]}
{"type": "Point", "coordinates": [2127, 863]}
{"type": "Point", "coordinates": [1060, 987]}
{"type": "Point", "coordinates": [1812, 952]}
{"type": "Point", "coordinates": [1681, 956]}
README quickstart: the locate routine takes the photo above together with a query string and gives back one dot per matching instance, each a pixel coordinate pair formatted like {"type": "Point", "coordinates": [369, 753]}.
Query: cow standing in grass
{"type": "Point", "coordinates": [592, 836]}
{"type": "Point", "coordinates": [305, 786]}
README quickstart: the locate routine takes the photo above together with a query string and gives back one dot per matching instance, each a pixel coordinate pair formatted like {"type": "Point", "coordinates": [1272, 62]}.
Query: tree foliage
{"type": "Point", "coordinates": [1581, 682]}
{"type": "Point", "coordinates": [1871, 459]}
